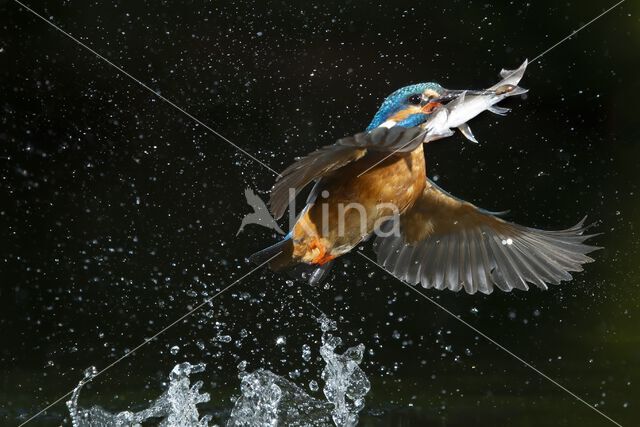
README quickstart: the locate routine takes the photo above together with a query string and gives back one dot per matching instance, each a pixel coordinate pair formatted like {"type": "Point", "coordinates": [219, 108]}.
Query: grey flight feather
{"type": "Point", "coordinates": [332, 157]}
{"type": "Point", "coordinates": [471, 249]}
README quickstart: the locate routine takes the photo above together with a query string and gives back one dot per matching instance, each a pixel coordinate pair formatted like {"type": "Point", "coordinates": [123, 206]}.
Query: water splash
{"type": "Point", "coordinates": [176, 407]}
{"type": "Point", "coordinates": [345, 382]}
{"type": "Point", "coordinates": [266, 400]}
{"type": "Point", "coordinates": [270, 400]}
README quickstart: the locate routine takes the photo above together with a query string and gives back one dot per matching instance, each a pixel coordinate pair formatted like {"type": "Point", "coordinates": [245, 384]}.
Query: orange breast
{"type": "Point", "coordinates": [349, 207]}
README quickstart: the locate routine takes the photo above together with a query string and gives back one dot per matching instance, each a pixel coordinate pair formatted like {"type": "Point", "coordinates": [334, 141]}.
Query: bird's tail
{"type": "Point", "coordinates": [281, 259]}
{"type": "Point", "coordinates": [278, 255]}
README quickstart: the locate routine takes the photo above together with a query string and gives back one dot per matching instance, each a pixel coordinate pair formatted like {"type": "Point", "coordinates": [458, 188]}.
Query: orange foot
{"type": "Point", "coordinates": [322, 256]}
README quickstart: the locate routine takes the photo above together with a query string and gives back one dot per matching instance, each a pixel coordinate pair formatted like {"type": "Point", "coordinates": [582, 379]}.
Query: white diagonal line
{"type": "Point", "coordinates": [165, 99]}
{"type": "Point", "coordinates": [276, 173]}
{"type": "Point", "coordinates": [494, 342]}
{"type": "Point", "coordinates": [574, 32]}
{"type": "Point", "coordinates": [154, 336]}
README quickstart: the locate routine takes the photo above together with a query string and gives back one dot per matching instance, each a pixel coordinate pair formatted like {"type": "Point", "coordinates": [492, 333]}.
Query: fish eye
{"type": "Point", "coordinates": [414, 99]}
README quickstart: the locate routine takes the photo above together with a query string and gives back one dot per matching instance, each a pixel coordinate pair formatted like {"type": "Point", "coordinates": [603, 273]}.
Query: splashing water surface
{"type": "Point", "coordinates": [266, 399]}
{"type": "Point", "coordinates": [176, 406]}
{"type": "Point", "coordinates": [345, 382]}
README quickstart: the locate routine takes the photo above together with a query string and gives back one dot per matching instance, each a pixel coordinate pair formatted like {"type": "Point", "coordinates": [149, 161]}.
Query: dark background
{"type": "Point", "coordinates": [118, 213]}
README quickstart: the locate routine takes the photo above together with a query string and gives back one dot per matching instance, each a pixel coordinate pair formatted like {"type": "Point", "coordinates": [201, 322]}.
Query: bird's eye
{"type": "Point", "coordinates": [414, 99]}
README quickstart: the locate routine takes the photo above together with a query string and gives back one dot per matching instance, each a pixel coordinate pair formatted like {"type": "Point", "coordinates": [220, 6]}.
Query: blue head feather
{"type": "Point", "coordinates": [398, 100]}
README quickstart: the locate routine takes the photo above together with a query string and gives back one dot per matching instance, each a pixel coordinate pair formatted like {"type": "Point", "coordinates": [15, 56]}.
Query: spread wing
{"type": "Point", "coordinates": [332, 157]}
{"type": "Point", "coordinates": [447, 243]}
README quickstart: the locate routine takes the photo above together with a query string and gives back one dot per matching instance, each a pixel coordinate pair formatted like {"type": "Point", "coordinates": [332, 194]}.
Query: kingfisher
{"type": "Point", "coordinates": [375, 182]}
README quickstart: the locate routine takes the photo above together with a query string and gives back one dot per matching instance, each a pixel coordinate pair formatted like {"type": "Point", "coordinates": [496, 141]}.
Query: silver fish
{"type": "Point", "coordinates": [469, 104]}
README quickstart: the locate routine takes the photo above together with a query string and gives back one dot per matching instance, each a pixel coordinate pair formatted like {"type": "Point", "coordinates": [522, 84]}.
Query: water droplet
{"type": "Point", "coordinates": [294, 374]}
{"type": "Point", "coordinates": [90, 372]}
{"type": "Point", "coordinates": [224, 338]}
{"type": "Point", "coordinates": [306, 352]}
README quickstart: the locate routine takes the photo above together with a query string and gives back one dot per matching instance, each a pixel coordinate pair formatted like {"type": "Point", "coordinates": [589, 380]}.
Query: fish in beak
{"type": "Point", "coordinates": [450, 94]}
{"type": "Point", "coordinates": [430, 101]}
{"type": "Point", "coordinates": [452, 109]}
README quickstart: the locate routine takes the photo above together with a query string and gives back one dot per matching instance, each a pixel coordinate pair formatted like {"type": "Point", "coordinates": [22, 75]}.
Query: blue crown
{"type": "Point", "coordinates": [398, 99]}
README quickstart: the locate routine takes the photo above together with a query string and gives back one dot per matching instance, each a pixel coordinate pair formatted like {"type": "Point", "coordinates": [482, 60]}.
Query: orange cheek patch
{"type": "Point", "coordinates": [403, 114]}
{"type": "Point", "coordinates": [428, 109]}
